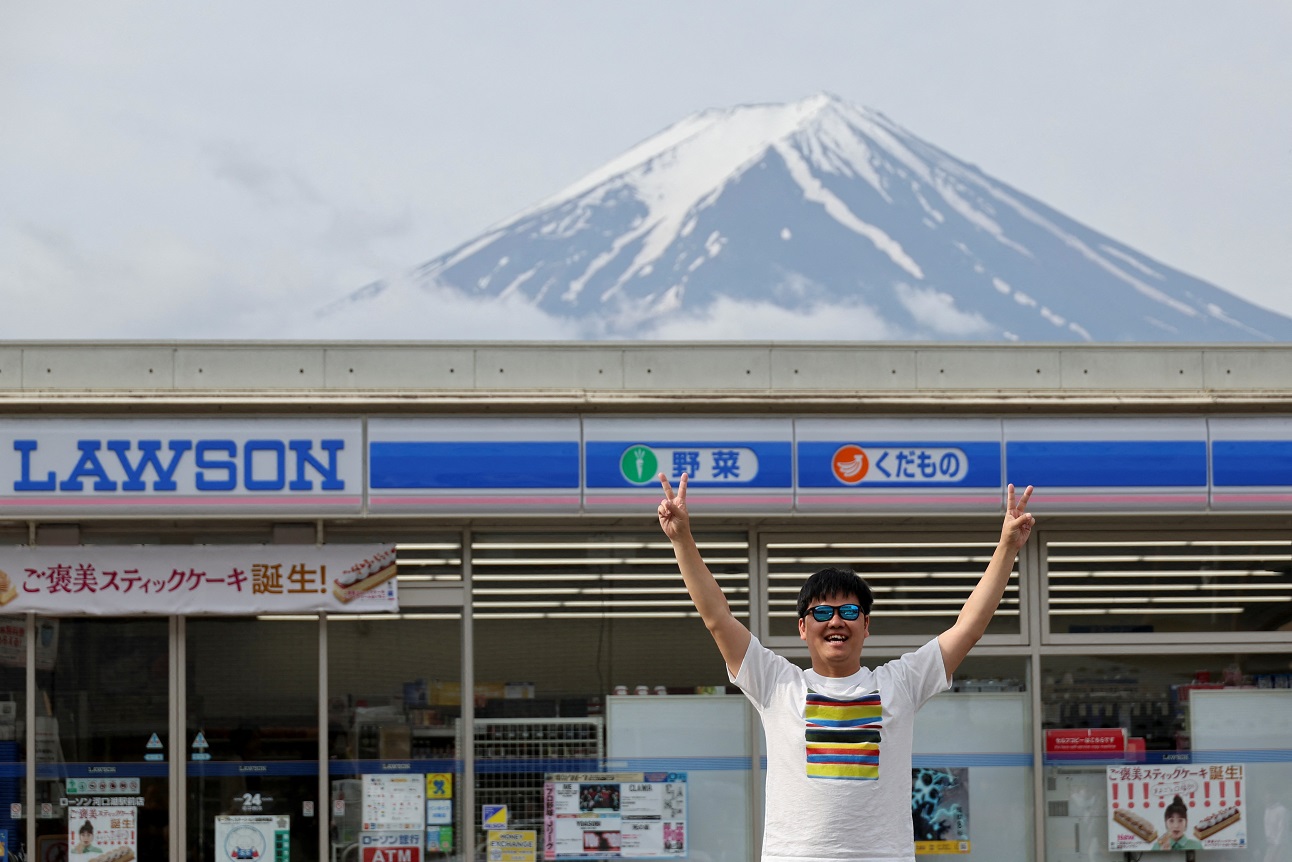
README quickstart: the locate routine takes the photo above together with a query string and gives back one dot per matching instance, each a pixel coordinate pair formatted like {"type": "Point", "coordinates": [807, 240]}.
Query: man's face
{"type": "Point", "coordinates": [835, 645]}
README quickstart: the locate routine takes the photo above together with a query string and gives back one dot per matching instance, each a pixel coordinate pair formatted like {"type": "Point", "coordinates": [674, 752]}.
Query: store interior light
{"type": "Point", "coordinates": [1176, 543]}
{"type": "Point", "coordinates": [443, 579]}
{"type": "Point", "coordinates": [1160, 573]}
{"type": "Point", "coordinates": [586, 591]}
{"type": "Point", "coordinates": [976, 559]}
{"type": "Point", "coordinates": [660, 545]}
{"type": "Point", "coordinates": [929, 574]}
{"type": "Point", "coordinates": [848, 546]}
{"type": "Point", "coordinates": [551, 577]}
{"type": "Point", "coordinates": [900, 612]}
{"type": "Point", "coordinates": [567, 615]}
{"type": "Point", "coordinates": [1064, 559]}
{"type": "Point", "coordinates": [1142, 588]}
{"type": "Point", "coordinates": [1154, 611]}
{"type": "Point", "coordinates": [1175, 600]}
{"type": "Point", "coordinates": [532, 562]}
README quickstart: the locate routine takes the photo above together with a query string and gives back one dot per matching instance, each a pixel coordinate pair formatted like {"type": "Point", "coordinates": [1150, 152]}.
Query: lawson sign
{"type": "Point", "coordinates": [197, 466]}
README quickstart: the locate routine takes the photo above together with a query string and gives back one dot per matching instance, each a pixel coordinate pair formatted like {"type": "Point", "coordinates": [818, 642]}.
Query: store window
{"type": "Point", "coordinates": [395, 732]}
{"type": "Point", "coordinates": [920, 585]}
{"type": "Point", "coordinates": [1168, 584]}
{"type": "Point", "coordinates": [1147, 752]}
{"type": "Point", "coordinates": [252, 738]}
{"type": "Point", "coordinates": [563, 626]}
{"type": "Point", "coordinates": [13, 721]}
{"type": "Point", "coordinates": [102, 740]}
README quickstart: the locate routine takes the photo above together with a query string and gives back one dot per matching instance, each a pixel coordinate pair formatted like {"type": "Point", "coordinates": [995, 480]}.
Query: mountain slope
{"type": "Point", "coordinates": [822, 205]}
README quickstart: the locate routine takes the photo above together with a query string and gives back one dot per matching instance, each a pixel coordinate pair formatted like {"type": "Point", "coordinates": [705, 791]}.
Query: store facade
{"type": "Point", "coordinates": [206, 651]}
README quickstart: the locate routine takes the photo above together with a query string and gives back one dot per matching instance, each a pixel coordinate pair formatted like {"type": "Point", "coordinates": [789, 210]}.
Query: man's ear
{"type": "Point", "coordinates": [802, 629]}
{"type": "Point", "coordinates": [865, 626]}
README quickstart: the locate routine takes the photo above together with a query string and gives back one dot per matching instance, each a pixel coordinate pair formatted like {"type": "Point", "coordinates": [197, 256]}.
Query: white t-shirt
{"type": "Point", "coordinates": [839, 754]}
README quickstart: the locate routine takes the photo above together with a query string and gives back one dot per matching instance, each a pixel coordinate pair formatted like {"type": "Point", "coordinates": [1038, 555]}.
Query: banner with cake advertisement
{"type": "Point", "coordinates": [636, 815]}
{"type": "Point", "coordinates": [102, 834]}
{"type": "Point", "coordinates": [1176, 807]}
{"type": "Point", "coordinates": [198, 579]}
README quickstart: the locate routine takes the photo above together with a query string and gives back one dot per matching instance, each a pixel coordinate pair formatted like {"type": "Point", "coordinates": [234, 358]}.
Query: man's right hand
{"type": "Point", "coordinates": [674, 519]}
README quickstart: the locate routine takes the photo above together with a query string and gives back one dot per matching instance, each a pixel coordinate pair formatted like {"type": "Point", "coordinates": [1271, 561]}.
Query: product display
{"type": "Point", "coordinates": [1213, 823]}
{"type": "Point", "coordinates": [118, 854]}
{"type": "Point", "coordinates": [370, 573]}
{"type": "Point", "coordinates": [1143, 830]}
{"type": "Point", "coordinates": [8, 592]}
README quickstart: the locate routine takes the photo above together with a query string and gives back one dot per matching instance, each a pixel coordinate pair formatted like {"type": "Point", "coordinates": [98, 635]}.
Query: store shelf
{"type": "Point", "coordinates": [514, 754]}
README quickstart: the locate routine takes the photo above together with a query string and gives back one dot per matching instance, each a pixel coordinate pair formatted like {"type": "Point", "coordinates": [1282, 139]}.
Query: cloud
{"type": "Point", "coordinates": [268, 184]}
{"type": "Point", "coordinates": [937, 311]}
{"type": "Point", "coordinates": [730, 320]}
{"type": "Point", "coordinates": [406, 310]}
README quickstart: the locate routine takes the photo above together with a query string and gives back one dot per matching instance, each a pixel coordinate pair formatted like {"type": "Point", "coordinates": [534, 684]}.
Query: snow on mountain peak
{"type": "Point", "coordinates": [820, 204]}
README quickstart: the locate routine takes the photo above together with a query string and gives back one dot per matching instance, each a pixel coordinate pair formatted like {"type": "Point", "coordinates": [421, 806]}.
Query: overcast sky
{"type": "Point", "coordinates": [221, 170]}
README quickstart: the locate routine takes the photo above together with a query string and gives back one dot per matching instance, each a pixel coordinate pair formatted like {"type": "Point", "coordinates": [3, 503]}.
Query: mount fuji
{"type": "Point", "coordinates": [820, 210]}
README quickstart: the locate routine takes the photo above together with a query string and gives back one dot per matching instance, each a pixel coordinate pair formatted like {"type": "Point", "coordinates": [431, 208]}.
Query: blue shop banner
{"type": "Point", "coordinates": [467, 465]}
{"type": "Point", "coordinates": [1110, 464]}
{"type": "Point", "coordinates": [1251, 463]}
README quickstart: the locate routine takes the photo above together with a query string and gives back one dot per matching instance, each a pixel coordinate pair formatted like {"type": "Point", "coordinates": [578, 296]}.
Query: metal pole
{"type": "Point", "coordinates": [177, 815]}
{"type": "Point", "coordinates": [323, 807]}
{"type": "Point", "coordinates": [467, 725]}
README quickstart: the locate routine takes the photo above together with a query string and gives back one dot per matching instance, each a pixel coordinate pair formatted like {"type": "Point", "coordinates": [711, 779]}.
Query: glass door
{"type": "Point", "coordinates": [101, 729]}
{"type": "Point", "coordinates": [251, 739]}
{"type": "Point", "coordinates": [13, 750]}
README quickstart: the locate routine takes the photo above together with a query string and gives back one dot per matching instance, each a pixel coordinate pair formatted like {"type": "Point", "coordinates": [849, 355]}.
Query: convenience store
{"type": "Point", "coordinates": [512, 483]}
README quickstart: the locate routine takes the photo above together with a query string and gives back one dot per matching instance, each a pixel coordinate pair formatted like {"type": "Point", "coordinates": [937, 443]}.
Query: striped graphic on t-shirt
{"type": "Point", "coordinates": [843, 736]}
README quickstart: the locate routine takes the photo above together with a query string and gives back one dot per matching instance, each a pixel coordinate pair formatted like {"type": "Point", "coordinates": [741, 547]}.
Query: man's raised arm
{"type": "Point", "coordinates": [956, 641]}
{"type": "Point", "coordinates": [731, 636]}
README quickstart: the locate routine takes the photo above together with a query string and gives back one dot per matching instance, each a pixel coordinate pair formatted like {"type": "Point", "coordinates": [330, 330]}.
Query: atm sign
{"type": "Point", "coordinates": [392, 854]}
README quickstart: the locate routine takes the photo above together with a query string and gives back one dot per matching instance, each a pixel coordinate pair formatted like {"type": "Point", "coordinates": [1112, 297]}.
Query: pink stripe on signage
{"type": "Point", "coordinates": [698, 494]}
{"type": "Point", "coordinates": [1121, 498]}
{"type": "Point", "coordinates": [74, 502]}
{"type": "Point", "coordinates": [1251, 498]}
{"type": "Point", "coordinates": [843, 499]}
{"type": "Point", "coordinates": [477, 501]}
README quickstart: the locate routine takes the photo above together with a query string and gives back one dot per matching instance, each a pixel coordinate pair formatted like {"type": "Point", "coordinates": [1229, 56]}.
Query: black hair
{"type": "Point", "coordinates": [86, 827]}
{"type": "Point", "coordinates": [1177, 807]}
{"type": "Point", "coordinates": [833, 582]}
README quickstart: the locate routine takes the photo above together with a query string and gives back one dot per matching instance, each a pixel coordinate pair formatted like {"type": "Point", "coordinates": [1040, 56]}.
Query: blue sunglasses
{"type": "Point", "coordinates": [825, 613]}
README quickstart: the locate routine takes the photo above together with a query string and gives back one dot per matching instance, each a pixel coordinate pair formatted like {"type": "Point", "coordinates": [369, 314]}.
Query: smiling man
{"type": "Point", "coordinates": [839, 734]}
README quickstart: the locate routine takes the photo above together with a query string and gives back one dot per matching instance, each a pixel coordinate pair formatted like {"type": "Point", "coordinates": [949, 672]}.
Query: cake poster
{"type": "Point", "coordinates": [101, 834]}
{"type": "Point", "coordinates": [1176, 807]}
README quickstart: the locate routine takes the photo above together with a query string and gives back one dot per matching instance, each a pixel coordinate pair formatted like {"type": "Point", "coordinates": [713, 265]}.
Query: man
{"type": "Point", "coordinates": [839, 735]}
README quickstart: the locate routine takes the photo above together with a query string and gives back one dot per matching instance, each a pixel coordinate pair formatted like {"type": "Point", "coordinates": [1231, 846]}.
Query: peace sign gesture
{"type": "Point", "coordinates": [1018, 522]}
{"type": "Point", "coordinates": [674, 519]}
